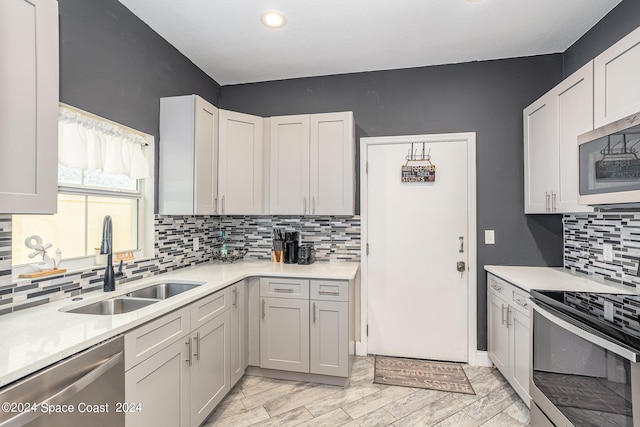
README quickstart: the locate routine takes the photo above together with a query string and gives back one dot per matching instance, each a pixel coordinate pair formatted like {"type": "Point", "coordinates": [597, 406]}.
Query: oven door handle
{"type": "Point", "coordinates": [61, 396]}
{"type": "Point", "coordinates": [585, 332]}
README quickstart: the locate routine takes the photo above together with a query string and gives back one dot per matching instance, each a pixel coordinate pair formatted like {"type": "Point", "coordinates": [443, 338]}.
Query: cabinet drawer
{"type": "Point", "coordinates": [329, 290]}
{"type": "Point", "coordinates": [147, 340]}
{"type": "Point", "coordinates": [284, 288]}
{"type": "Point", "coordinates": [209, 307]}
{"type": "Point", "coordinates": [497, 285]}
{"type": "Point", "coordinates": [520, 300]}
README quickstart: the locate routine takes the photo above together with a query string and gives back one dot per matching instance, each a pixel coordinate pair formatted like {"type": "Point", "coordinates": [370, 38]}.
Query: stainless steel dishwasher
{"type": "Point", "coordinates": [86, 389]}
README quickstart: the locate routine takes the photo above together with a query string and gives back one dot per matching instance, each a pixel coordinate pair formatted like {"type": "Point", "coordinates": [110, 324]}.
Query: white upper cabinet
{"type": "Point", "coordinates": [551, 127]}
{"type": "Point", "coordinates": [188, 156]}
{"type": "Point", "coordinates": [616, 83]}
{"type": "Point", "coordinates": [312, 160]}
{"type": "Point", "coordinates": [331, 168]}
{"type": "Point", "coordinates": [240, 174]}
{"type": "Point", "coordinates": [28, 106]}
{"type": "Point", "coordinates": [289, 165]}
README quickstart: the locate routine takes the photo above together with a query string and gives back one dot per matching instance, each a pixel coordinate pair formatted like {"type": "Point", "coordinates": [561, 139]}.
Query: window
{"type": "Point", "coordinates": [86, 193]}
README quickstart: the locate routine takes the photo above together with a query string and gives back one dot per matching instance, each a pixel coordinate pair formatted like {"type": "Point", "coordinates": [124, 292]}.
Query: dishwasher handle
{"type": "Point", "coordinates": [62, 396]}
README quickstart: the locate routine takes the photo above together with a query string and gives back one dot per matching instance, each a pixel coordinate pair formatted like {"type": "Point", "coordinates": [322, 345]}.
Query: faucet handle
{"type": "Point", "coordinates": [119, 273]}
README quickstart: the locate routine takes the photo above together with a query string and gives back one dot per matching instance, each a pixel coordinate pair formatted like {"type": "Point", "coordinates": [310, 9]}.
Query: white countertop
{"type": "Point", "coordinates": [551, 279]}
{"type": "Point", "coordinates": [38, 337]}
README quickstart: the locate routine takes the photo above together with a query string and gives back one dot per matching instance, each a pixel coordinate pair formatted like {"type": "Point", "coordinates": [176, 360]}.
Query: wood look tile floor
{"type": "Point", "coordinates": [257, 401]}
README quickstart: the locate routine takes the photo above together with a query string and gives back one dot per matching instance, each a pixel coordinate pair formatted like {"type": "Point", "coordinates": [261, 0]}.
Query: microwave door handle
{"type": "Point", "coordinates": [589, 334]}
{"type": "Point", "coordinates": [64, 394]}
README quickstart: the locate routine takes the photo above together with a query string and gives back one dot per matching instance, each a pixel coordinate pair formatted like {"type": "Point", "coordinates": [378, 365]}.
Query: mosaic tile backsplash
{"type": "Point", "coordinates": [584, 239]}
{"type": "Point", "coordinates": [335, 239]}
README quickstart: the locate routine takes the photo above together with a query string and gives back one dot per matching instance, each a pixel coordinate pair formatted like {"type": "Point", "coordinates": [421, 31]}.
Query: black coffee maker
{"type": "Point", "coordinates": [291, 247]}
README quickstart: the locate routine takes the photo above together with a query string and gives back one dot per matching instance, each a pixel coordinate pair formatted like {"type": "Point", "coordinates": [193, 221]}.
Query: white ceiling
{"type": "Point", "coordinates": [226, 39]}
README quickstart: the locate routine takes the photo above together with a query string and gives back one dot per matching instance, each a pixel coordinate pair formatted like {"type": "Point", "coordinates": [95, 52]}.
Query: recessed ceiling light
{"type": "Point", "coordinates": [273, 19]}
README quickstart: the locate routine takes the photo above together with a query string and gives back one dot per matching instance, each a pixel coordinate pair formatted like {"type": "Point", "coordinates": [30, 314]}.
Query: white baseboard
{"type": "Point", "coordinates": [480, 358]}
{"type": "Point", "coordinates": [360, 349]}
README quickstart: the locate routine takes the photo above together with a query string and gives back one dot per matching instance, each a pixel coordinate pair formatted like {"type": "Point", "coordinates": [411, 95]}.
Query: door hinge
{"type": "Point", "coordinates": [367, 330]}
{"type": "Point", "coordinates": [367, 249]}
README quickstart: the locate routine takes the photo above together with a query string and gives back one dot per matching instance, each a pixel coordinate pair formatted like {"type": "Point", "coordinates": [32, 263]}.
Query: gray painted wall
{"type": "Point", "coordinates": [114, 65]}
{"type": "Point", "coordinates": [613, 27]}
{"type": "Point", "coordinates": [485, 97]}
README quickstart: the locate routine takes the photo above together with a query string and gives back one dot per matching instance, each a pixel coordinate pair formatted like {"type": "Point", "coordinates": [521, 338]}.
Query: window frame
{"type": "Point", "coordinates": [146, 220]}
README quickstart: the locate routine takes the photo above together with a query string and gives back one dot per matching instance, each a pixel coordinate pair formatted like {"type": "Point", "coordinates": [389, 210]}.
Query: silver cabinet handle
{"type": "Point", "coordinates": [335, 294]}
{"type": "Point", "coordinates": [496, 287]}
{"type": "Point", "coordinates": [554, 197]}
{"type": "Point", "coordinates": [263, 308]}
{"type": "Point", "coordinates": [70, 390]}
{"type": "Point", "coordinates": [197, 340]}
{"type": "Point", "coordinates": [520, 302]}
{"type": "Point", "coordinates": [509, 323]}
{"type": "Point", "coordinates": [304, 205]}
{"type": "Point", "coordinates": [283, 290]}
{"type": "Point", "coordinates": [188, 343]}
{"type": "Point", "coordinates": [313, 205]}
{"type": "Point", "coordinates": [235, 297]}
{"type": "Point", "coordinates": [502, 323]}
{"type": "Point", "coordinates": [223, 204]}
{"type": "Point", "coordinates": [461, 244]}
{"type": "Point", "coordinates": [314, 312]}
{"type": "Point", "coordinates": [546, 200]}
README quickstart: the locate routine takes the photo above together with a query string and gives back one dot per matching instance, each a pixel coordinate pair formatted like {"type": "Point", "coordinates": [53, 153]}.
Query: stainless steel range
{"type": "Point", "coordinates": [585, 349]}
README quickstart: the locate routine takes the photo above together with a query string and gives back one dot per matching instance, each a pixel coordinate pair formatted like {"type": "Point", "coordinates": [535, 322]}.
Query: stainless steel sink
{"type": "Point", "coordinates": [113, 306]}
{"type": "Point", "coordinates": [162, 290]}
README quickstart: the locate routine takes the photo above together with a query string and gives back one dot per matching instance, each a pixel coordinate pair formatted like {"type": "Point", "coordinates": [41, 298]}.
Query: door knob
{"type": "Point", "coordinates": [461, 266]}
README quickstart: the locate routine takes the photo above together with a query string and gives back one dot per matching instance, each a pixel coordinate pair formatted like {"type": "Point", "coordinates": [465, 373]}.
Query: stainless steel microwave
{"type": "Point", "coordinates": [608, 163]}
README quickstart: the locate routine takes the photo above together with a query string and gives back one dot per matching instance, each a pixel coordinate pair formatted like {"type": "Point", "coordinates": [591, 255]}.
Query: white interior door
{"type": "Point", "coordinates": [417, 300]}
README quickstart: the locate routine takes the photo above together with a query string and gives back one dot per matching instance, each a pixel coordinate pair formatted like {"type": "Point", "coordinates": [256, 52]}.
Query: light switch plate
{"type": "Point", "coordinates": [608, 311]}
{"type": "Point", "coordinates": [196, 243]}
{"type": "Point", "coordinates": [489, 237]}
{"type": "Point", "coordinates": [607, 251]}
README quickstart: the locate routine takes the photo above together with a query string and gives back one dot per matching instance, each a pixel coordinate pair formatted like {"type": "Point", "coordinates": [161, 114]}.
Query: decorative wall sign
{"type": "Point", "coordinates": [418, 167]}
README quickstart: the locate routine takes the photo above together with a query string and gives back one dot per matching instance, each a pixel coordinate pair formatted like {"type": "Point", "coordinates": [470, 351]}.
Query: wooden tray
{"type": "Point", "coordinates": [42, 273]}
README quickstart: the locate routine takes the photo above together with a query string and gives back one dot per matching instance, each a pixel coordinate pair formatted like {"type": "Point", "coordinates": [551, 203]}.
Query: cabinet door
{"type": "Point", "coordinates": [284, 334]}
{"type": "Point", "coordinates": [574, 103]}
{"type": "Point", "coordinates": [210, 372]}
{"type": "Point", "coordinates": [519, 353]}
{"type": "Point", "coordinates": [28, 106]}
{"type": "Point", "coordinates": [329, 338]}
{"type": "Point", "coordinates": [206, 158]}
{"type": "Point", "coordinates": [289, 170]}
{"type": "Point", "coordinates": [540, 156]}
{"type": "Point", "coordinates": [238, 328]}
{"type": "Point", "coordinates": [332, 163]}
{"type": "Point", "coordinates": [240, 166]}
{"type": "Point", "coordinates": [616, 83]}
{"type": "Point", "coordinates": [161, 385]}
{"type": "Point", "coordinates": [498, 334]}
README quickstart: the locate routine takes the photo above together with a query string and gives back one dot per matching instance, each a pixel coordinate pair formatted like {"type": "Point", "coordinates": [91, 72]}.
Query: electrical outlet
{"type": "Point", "coordinates": [489, 237]}
{"type": "Point", "coordinates": [196, 243]}
{"type": "Point", "coordinates": [608, 311]}
{"type": "Point", "coordinates": [607, 251]}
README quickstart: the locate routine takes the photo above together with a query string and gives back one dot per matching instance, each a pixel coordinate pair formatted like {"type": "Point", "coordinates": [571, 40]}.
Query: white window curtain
{"type": "Point", "coordinates": [90, 144]}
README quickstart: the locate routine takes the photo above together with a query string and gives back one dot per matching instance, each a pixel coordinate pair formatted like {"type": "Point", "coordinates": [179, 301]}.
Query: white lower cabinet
{"type": "Point", "coordinates": [179, 367]}
{"type": "Point", "coordinates": [284, 334]}
{"type": "Point", "coordinates": [238, 331]}
{"type": "Point", "coordinates": [161, 386]}
{"type": "Point", "coordinates": [305, 326]}
{"type": "Point", "coordinates": [508, 333]}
